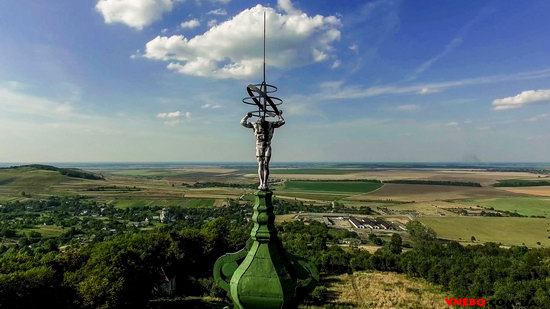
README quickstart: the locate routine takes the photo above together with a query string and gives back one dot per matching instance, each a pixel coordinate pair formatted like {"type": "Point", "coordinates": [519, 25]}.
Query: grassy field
{"type": "Point", "coordinates": [508, 231]}
{"type": "Point", "coordinates": [47, 230]}
{"type": "Point", "coordinates": [182, 202]}
{"type": "Point", "coordinates": [527, 206]}
{"type": "Point", "coordinates": [408, 192]}
{"type": "Point", "coordinates": [332, 186]}
{"type": "Point", "coordinates": [314, 171]}
{"type": "Point", "coordinates": [28, 180]}
{"type": "Point", "coordinates": [538, 191]}
{"type": "Point", "coordinates": [383, 290]}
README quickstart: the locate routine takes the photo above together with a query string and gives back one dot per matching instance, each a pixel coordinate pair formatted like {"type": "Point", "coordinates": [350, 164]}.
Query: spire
{"type": "Point", "coordinates": [264, 47]}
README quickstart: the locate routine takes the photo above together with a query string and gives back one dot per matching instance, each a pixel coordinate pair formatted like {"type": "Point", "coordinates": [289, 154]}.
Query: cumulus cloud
{"type": "Point", "coordinates": [134, 13]}
{"type": "Point", "coordinates": [522, 99]}
{"type": "Point", "coordinates": [173, 118]}
{"type": "Point", "coordinates": [190, 24]}
{"type": "Point", "coordinates": [288, 7]}
{"type": "Point", "coordinates": [233, 48]}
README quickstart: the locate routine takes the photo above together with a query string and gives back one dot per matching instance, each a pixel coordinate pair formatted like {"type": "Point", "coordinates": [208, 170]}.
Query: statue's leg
{"type": "Point", "coordinates": [266, 170]}
{"type": "Point", "coordinates": [260, 171]}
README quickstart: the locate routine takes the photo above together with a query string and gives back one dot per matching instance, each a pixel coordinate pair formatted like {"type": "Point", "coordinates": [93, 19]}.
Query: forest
{"type": "Point", "coordinates": [131, 268]}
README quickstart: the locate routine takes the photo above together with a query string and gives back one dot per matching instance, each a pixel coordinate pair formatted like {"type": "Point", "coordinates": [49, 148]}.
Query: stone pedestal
{"type": "Point", "coordinates": [263, 275]}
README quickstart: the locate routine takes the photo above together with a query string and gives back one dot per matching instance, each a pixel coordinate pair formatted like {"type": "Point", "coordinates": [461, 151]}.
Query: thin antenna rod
{"type": "Point", "coordinates": [264, 46]}
{"type": "Point", "coordinates": [263, 84]}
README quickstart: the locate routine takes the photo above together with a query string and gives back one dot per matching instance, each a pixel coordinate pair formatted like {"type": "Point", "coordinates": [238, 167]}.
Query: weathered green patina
{"type": "Point", "coordinates": [263, 275]}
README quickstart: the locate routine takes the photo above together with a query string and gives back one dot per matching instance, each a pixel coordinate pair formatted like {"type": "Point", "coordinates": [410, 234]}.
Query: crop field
{"type": "Point", "coordinates": [539, 190]}
{"type": "Point", "coordinates": [183, 202]}
{"type": "Point", "coordinates": [508, 230]}
{"type": "Point", "coordinates": [526, 206]}
{"type": "Point", "coordinates": [314, 171]}
{"type": "Point", "coordinates": [329, 186]}
{"type": "Point", "coordinates": [412, 192]}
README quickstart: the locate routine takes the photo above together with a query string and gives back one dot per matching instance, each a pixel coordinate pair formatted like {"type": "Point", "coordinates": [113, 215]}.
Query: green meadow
{"type": "Point", "coordinates": [526, 206]}
{"type": "Point", "coordinates": [332, 186]}
{"type": "Point", "coordinates": [508, 231]}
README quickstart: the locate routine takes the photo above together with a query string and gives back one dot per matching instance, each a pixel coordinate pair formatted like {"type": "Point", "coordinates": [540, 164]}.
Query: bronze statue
{"type": "Point", "coordinates": [263, 130]}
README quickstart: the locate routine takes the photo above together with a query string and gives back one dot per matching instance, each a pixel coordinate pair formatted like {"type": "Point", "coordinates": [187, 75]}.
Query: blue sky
{"type": "Point", "coordinates": [162, 80]}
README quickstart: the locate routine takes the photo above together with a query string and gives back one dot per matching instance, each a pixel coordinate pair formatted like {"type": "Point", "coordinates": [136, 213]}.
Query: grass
{"type": "Point", "coordinates": [183, 202]}
{"type": "Point", "coordinates": [199, 202]}
{"type": "Point", "coordinates": [383, 290]}
{"type": "Point", "coordinates": [508, 230]}
{"type": "Point", "coordinates": [47, 231]}
{"type": "Point", "coordinates": [148, 173]}
{"type": "Point", "coordinates": [526, 206]}
{"type": "Point", "coordinates": [329, 186]}
{"type": "Point", "coordinates": [314, 171]}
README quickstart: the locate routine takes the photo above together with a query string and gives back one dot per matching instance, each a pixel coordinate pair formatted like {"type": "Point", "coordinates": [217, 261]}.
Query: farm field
{"type": "Point", "coordinates": [314, 171]}
{"type": "Point", "coordinates": [526, 206]}
{"type": "Point", "coordinates": [508, 230]}
{"type": "Point", "coordinates": [414, 192]}
{"type": "Point", "coordinates": [327, 186]}
{"type": "Point", "coordinates": [431, 204]}
{"type": "Point", "coordinates": [540, 190]}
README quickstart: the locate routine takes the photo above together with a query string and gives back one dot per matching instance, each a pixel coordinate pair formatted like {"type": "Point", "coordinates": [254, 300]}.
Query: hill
{"type": "Point", "coordinates": [70, 172]}
{"type": "Point", "coordinates": [23, 180]}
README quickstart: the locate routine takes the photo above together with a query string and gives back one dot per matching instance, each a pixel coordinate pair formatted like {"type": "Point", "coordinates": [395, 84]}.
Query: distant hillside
{"type": "Point", "coordinates": [69, 172]}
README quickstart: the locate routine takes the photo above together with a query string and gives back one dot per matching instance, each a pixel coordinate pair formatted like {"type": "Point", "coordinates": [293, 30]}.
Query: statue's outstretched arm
{"type": "Point", "coordinates": [245, 123]}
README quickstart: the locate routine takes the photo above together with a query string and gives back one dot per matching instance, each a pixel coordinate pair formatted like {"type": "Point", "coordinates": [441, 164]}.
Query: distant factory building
{"type": "Point", "coordinates": [370, 223]}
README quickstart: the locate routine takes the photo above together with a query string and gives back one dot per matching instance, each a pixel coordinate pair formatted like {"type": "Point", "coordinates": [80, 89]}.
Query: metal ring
{"type": "Point", "coordinates": [252, 89]}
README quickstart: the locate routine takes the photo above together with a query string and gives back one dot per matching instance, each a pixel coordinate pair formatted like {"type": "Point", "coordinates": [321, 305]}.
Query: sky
{"type": "Point", "coordinates": [362, 81]}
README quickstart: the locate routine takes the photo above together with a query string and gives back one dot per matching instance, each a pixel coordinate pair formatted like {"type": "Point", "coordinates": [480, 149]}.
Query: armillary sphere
{"type": "Point", "coordinates": [259, 95]}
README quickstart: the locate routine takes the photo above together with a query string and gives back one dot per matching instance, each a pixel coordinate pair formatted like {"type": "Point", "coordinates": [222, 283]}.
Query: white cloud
{"type": "Point", "coordinates": [455, 43]}
{"type": "Point", "coordinates": [408, 107]}
{"type": "Point", "coordinates": [176, 114]}
{"type": "Point", "coordinates": [288, 7]}
{"type": "Point", "coordinates": [337, 90]}
{"type": "Point", "coordinates": [354, 48]}
{"type": "Point", "coordinates": [190, 24]}
{"type": "Point", "coordinates": [522, 99]}
{"type": "Point", "coordinates": [232, 50]}
{"type": "Point", "coordinates": [220, 12]}
{"type": "Point", "coordinates": [134, 13]}
{"type": "Point", "coordinates": [212, 23]}
{"type": "Point", "coordinates": [427, 90]}
{"type": "Point", "coordinates": [336, 64]}
{"type": "Point", "coordinates": [210, 105]}
{"type": "Point", "coordinates": [15, 101]}
{"type": "Point", "coordinates": [173, 118]}
{"type": "Point", "coordinates": [452, 124]}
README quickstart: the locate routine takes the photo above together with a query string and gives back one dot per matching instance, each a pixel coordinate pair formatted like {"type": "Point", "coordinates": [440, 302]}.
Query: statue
{"type": "Point", "coordinates": [263, 274]}
{"type": "Point", "coordinates": [263, 130]}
